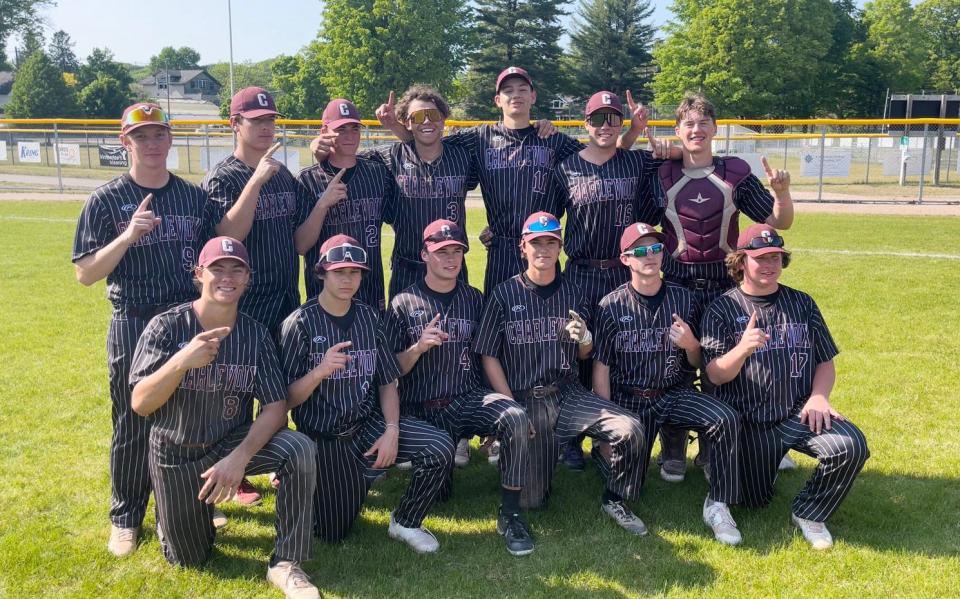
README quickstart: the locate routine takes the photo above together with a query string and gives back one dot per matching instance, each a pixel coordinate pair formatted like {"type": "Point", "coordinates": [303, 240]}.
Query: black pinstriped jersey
{"type": "Point", "coordinates": [526, 332]}
{"type": "Point", "coordinates": [282, 206]}
{"type": "Point", "coordinates": [343, 401]}
{"type": "Point", "coordinates": [425, 191]}
{"type": "Point", "coordinates": [446, 371]}
{"type": "Point", "coordinates": [601, 200]}
{"type": "Point", "coordinates": [635, 341]}
{"type": "Point", "coordinates": [359, 215]}
{"type": "Point", "coordinates": [158, 268]}
{"type": "Point", "coordinates": [515, 171]}
{"type": "Point", "coordinates": [211, 401]}
{"type": "Point", "coordinates": [777, 379]}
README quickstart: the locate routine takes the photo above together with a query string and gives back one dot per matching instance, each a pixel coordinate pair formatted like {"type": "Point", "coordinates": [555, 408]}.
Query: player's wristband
{"type": "Point", "coordinates": [587, 339]}
{"type": "Point", "coordinates": [390, 424]}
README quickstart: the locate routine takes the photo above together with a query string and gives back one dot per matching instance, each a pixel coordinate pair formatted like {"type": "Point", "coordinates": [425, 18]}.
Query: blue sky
{"type": "Point", "coordinates": [260, 30]}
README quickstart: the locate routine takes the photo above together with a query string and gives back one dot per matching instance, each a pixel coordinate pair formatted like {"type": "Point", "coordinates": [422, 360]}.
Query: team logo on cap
{"type": "Point", "coordinates": [544, 220]}
{"type": "Point", "coordinates": [344, 109]}
{"type": "Point", "coordinates": [227, 245]}
{"type": "Point", "coordinates": [766, 235]}
{"type": "Point", "coordinates": [262, 100]}
{"type": "Point", "coordinates": [512, 70]}
{"type": "Point", "coordinates": [319, 339]}
{"type": "Point", "coordinates": [605, 98]}
{"type": "Point", "coordinates": [445, 230]}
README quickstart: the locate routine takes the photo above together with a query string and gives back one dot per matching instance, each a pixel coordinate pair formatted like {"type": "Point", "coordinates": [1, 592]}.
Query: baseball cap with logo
{"type": "Point", "coordinates": [541, 224]}
{"type": "Point", "coordinates": [513, 72]}
{"type": "Point", "coordinates": [253, 102]}
{"type": "Point", "coordinates": [342, 251]}
{"type": "Point", "coordinates": [441, 233]}
{"type": "Point", "coordinates": [143, 113]}
{"type": "Point", "coordinates": [637, 231]}
{"type": "Point", "coordinates": [759, 239]}
{"type": "Point", "coordinates": [604, 99]}
{"type": "Point", "coordinates": [339, 112]}
{"type": "Point", "coordinates": [220, 248]}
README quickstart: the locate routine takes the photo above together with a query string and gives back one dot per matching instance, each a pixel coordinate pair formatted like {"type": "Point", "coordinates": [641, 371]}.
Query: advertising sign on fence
{"type": "Point", "coordinates": [29, 152]}
{"type": "Point", "coordinates": [891, 162]}
{"type": "Point", "coordinates": [836, 163]}
{"type": "Point", "coordinates": [69, 154]}
{"type": "Point", "coordinates": [3, 150]}
{"type": "Point", "coordinates": [113, 156]}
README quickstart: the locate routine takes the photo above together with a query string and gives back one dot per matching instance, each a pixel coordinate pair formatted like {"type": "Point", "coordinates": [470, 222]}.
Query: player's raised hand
{"type": "Point", "coordinates": [334, 359]}
{"type": "Point", "coordinates": [779, 180]}
{"type": "Point", "coordinates": [753, 337]}
{"type": "Point", "coordinates": [267, 167]}
{"type": "Point", "coordinates": [142, 222]}
{"type": "Point", "coordinates": [638, 114]}
{"type": "Point", "coordinates": [202, 349]}
{"type": "Point", "coordinates": [321, 146]}
{"type": "Point", "coordinates": [335, 191]}
{"type": "Point", "coordinates": [432, 336]}
{"type": "Point", "coordinates": [681, 335]}
{"type": "Point", "coordinates": [817, 414]}
{"type": "Point", "coordinates": [387, 113]}
{"type": "Point", "coordinates": [544, 128]}
{"type": "Point", "coordinates": [486, 237]}
{"type": "Point", "coordinates": [576, 327]}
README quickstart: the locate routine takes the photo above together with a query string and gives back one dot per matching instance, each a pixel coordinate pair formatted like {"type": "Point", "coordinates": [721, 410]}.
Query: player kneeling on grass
{"type": "Point", "coordinates": [338, 363]}
{"type": "Point", "coordinates": [770, 353]}
{"type": "Point", "coordinates": [531, 336]}
{"type": "Point", "coordinates": [196, 370]}
{"type": "Point", "coordinates": [430, 326]}
{"type": "Point", "coordinates": [646, 359]}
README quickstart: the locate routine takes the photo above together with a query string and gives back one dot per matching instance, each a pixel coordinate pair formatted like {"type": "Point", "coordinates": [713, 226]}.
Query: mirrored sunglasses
{"type": "Point", "coordinates": [642, 250]}
{"type": "Point", "coordinates": [418, 117]}
{"type": "Point", "coordinates": [597, 119]}
{"type": "Point", "coordinates": [345, 253]}
{"type": "Point", "coordinates": [764, 241]}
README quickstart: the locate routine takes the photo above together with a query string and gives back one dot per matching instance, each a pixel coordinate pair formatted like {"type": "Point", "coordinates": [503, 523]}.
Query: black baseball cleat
{"type": "Point", "coordinates": [515, 532]}
{"type": "Point", "coordinates": [573, 457]}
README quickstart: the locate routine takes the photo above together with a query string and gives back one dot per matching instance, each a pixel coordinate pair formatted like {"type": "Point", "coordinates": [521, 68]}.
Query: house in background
{"type": "Point", "coordinates": [187, 84]}
{"type": "Point", "coordinates": [6, 86]}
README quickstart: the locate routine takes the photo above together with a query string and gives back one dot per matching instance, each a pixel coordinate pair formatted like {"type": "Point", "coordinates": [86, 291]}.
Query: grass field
{"type": "Point", "coordinates": [887, 286]}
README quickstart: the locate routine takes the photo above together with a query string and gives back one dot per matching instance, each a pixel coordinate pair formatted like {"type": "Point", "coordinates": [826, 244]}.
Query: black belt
{"type": "Point", "coordinates": [499, 240]}
{"type": "Point", "coordinates": [196, 445]}
{"type": "Point", "coordinates": [640, 392]}
{"type": "Point", "coordinates": [705, 284]}
{"type": "Point", "coordinates": [438, 403]}
{"type": "Point", "coordinates": [410, 261]}
{"type": "Point", "coordinates": [344, 436]}
{"type": "Point", "coordinates": [542, 391]}
{"type": "Point", "coordinates": [599, 264]}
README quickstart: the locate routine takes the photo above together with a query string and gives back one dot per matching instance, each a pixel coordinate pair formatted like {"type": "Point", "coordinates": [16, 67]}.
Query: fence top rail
{"type": "Point", "coordinates": [577, 123]}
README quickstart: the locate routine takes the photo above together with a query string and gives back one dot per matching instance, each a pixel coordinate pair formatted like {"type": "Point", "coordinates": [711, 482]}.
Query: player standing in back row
{"type": "Point", "coordinates": [142, 232]}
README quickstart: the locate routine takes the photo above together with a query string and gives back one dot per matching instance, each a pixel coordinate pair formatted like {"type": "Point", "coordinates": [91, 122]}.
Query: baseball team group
{"type": "Point", "coordinates": [665, 319]}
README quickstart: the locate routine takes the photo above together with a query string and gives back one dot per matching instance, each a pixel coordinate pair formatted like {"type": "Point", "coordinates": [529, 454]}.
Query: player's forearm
{"type": "Point", "coordinates": [627, 139]}
{"type": "Point", "coordinates": [96, 266]}
{"type": "Point", "coordinates": [301, 389]}
{"type": "Point", "coordinates": [601, 379]}
{"type": "Point", "coordinates": [726, 368]}
{"type": "Point", "coordinates": [584, 350]}
{"type": "Point", "coordinates": [151, 393]}
{"type": "Point", "coordinates": [408, 358]}
{"type": "Point", "coordinates": [695, 357]}
{"type": "Point", "coordinates": [263, 428]}
{"type": "Point", "coordinates": [495, 375]}
{"type": "Point", "coordinates": [782, 215]}
{"type": "Point", "coordinates": [307, 234]}
{"type": "Point", "coordinates": [824, 377]}
{"type": "Point", "coordinates": [238, 221]}
{"type": "Point", "coordinates": [402, 133]}
{"type": "Point", "coordinates": [390, 403]}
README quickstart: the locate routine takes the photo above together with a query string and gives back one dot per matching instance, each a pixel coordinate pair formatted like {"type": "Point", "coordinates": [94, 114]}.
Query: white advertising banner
{"type": "Point", "coordinates": [836, 163]}
{"type": "Point", "coordinates": [68, 154]}
{"type": "Point", "coordinates": [29, 152]}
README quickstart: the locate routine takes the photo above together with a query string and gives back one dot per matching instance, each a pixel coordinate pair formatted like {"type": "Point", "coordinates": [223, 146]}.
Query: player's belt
{"type": "Point", "coordinates": [196, 445]}
{"type": "Point", "coordinates": [503, 240]}
{"type": "Point", "coordinates": [438, 403]}
{"type": "Point", "coordinates": [144, 311]}
{"type": "Point", "coordinates": [599, 264]}
{"type": "Point", "coordinates": [640, 392]}
{"type": "Point", "coordinates": [705, 284]}
{"type": "Point", "coordinates": [344, 436]}
{"type": "Point", "coordinates": [408, 261]}
{"type": "Point", "coordinates": [538, 392]}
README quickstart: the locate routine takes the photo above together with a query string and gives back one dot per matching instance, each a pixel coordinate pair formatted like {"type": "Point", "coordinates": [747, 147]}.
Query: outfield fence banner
{"type": "Point", "coordinates": [29, 152]}
{"type": "Point", "coordinates": [113, 156]}
{"type": "Point", "coordinates": [836, 163]}
{"type": "Point", "coordinates": [68, 154]}
{"type": "Point", "coordinates": [3, 151]}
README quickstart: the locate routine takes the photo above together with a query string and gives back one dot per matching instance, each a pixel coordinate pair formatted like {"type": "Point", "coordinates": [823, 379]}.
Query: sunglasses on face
{"type": "Point", "coordinates": [146, 114]}
{"type": "Point", "coordinates": [644, 250]}
{"type": "Point", "coordinates": [418, 117]}
{"type": "Point", "coordinates": [765, 241]}
{"type": "Point", "coordinates": [346, 253]}
{"type": "Point", "coordinates": [597, 119]}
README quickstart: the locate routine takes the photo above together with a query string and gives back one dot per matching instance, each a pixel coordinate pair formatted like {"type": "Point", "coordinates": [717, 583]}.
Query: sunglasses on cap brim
{"type": "Point", "coordinates": [419, 117]}
{"type": "Point", "coordinates": [441, 236]}
{"type": "Point", "coordinates": [550, 226]}
{"type": "Point", "coordinates": [766, 241]}
{"type": "Point", "coordinates": [345, 253]}
{"type": "Point", "coordinates": [597, 119]}
{"type": "Point", "coordinates": [146, 114]}
{"type": "Point", "coordinates": [643, 250]}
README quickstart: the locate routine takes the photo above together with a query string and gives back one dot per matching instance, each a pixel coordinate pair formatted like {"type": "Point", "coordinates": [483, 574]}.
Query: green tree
{"type": "Point", "coordinates": [751, 59]}
{"type": "Point", "coordinates": [101, 62]}
{"type": "Point", "coordinates": [15, 16]}
{"type": "Point", "coordinates": [894, 41]}
{"type": "Point", "coordinates": [104, 97]}
{"type": "Point", "coordinates": [523, 33]}
{"type": "Point", "coordinates": [61, 52]}
{"type": "Point", "coordinates": [610, 47]}
{"type": "Point", "coordinates": [175, 58]}
{"type": "Point", "coordinates": [39, 90]}
{"type": "Point", "coordinates": [31, 41]}
{"type": "Point", "coordinates": [296, 81]}
{"type": "Point", "coordinates": [365, 48]}
{"type": "Point", "coordinates": [939, 20]}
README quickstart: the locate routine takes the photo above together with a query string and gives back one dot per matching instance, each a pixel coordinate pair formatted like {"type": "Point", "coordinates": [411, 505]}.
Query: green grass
{"type": "Point", "coordinates": [898, 533]}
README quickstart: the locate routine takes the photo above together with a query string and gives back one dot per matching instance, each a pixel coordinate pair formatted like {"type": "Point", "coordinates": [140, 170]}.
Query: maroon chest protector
{"type": "Point", "coordinates": [700, 219]}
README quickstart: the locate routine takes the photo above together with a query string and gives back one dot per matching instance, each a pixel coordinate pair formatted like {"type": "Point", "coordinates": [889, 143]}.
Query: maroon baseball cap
{"type": "Point", "coordinates": [513, 72]}
{"type": "Point", "coordinates": [220, 248]}
{"type": "Point", "coordinates": [759, 239]}
{"type": "Point", "coordinates": [340, 111]}
{"type": "Point", "coordinates": [604, 99]}
{"type": "Point", "coordinates": [342, 251]}
{"type": "Point", "coordinates": [541, 224]}
{"type": "Point", "coordinates": [253, 102]}
{"type": "Point", "coordinates": [441, 233]}
{"type": "Point", "coordinates": [143, 113]}
{"type": "Point", "coordinates": [637, 231]}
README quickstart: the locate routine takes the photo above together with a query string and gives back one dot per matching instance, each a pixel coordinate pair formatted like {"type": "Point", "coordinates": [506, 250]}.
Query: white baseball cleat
{"type": "Point", "coordinates": [420, 539]}
{"type": "Point", "coordinates": [462, 457]}
{"type": "Point", "coordinates": [123, 541]}
{"type": "Point", "coordinates": [292, 580]}
{"type": "Point", "coordinates": [717, 516]}
{"type": "Point", "coordinates": [219, 519]}
{"type": "Point", "coordinates": [815, 533]}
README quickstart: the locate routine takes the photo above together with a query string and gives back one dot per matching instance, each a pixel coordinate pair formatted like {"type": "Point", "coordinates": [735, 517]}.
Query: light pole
{"type": "Point", "coordinates": [230, 28]}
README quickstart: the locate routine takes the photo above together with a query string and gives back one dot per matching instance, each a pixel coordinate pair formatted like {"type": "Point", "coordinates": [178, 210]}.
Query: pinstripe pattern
{"type": "Point", "coordinates": [281, 208]}
{"type": "Point", "coordinates": [153, 274]}
{"type": "Point", "coordinates": [211, 410]}
{"type": "Point", "coordinates": [359, 215]}
{"type": "Point", "coordinates": [425, 192]}
{"type": "Point", "coordinates": [514, 169]}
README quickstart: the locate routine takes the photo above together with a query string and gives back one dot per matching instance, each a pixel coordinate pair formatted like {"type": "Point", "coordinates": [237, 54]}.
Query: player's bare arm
{"type": "Point", "coordinates": [495, 375]}
{"type": "Point", "coordinates": [817, 413]}
{"type": "Point", "coordinates": [98, 265]}
{"type": "Point", "coordinates": [432, 336]}
{"type": "Point", "coordinates": [223, 478]}
{"type": "Point", "coordinates": [155, 390]}
{"type": "Point", "coordinates": [726, 368]}
{"type": "Point", "coordinates": [334, 359]}
{"type": "Point", "coordinates": [779, 182]}
{"type": "Point", "coordinates": [682, 336]}
{"type": "Point", "coordinates": [238, 221]}
{"type": "Point", "coordinates": [601, 379]}
{"type": "Point", "coordinates": [385, 448]}
{"type": "Point", "coordinates": [307, 234]}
